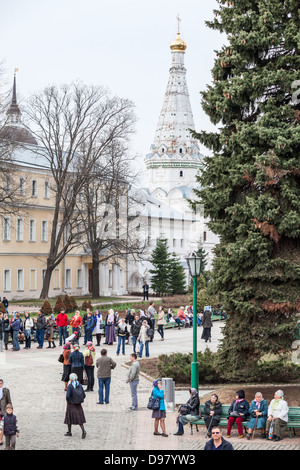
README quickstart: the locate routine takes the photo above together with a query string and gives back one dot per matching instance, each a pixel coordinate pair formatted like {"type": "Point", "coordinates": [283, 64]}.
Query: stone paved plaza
{"type": "Point", "coordinates": [34, 379]}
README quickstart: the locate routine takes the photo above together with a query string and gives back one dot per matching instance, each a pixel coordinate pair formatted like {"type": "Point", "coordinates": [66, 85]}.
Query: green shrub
{"type": "Point", "coordinates": [59, 305]}
{"type": "Point", "coordinates": [46, 308]}
{"type": "Point", "coordinates": [178, 367]}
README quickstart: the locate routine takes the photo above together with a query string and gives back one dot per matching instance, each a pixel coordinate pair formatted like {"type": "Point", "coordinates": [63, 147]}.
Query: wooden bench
{"type": "Point", "coordinates": [293, 419]}
{"type": "Point", "coordinates": [223, 420]}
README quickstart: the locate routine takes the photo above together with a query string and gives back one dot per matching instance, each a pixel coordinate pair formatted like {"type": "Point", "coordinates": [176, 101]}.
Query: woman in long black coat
{"type": "Point", "coordinates": [206, 324]}
{"type": "Point", "coordinates": [74, 412]}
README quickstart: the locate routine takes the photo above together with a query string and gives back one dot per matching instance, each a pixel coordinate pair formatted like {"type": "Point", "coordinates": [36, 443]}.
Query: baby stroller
{"type": "Point", "coordinates": [73, 339]}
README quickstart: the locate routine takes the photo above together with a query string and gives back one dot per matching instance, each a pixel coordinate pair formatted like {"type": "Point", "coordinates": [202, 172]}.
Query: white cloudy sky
{"type": "Point", "coordinates": [121, 44]}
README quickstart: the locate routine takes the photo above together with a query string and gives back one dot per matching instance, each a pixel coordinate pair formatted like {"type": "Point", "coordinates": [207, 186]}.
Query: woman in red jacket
{"type": "Point", "coordinates": [76, 323]}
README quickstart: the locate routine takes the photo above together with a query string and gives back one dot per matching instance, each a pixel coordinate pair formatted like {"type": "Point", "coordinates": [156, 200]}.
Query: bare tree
{"type": "Point", "coordinates": [104, 213]}
{"type": "Point", "coordinates": [75, 125]}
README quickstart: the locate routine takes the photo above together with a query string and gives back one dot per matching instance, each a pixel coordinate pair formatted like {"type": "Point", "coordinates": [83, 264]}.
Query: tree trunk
{"type": "Point", "coordinates": [46, 284]}
{"type": "Point", "coordinates": [95, 279]}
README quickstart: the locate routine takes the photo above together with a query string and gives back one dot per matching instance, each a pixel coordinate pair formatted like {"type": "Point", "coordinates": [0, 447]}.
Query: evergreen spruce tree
{"type": "Point", "coordinates": [251, 182]}
{"type": "Point", "coordinates": [160, 273]}
{"type": "Point", "coordinates": [177, 278]}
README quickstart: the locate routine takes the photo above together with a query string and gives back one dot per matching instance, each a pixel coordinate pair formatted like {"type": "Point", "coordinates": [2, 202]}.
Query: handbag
{"type": "Point", "coordinates": [184, 410]}
{"type": "Point", "coordinates": [61, 358]}
{"type": "Point", "coordinates": [88, 361]}
{"type": "Point", "coordinates": [153, 403]}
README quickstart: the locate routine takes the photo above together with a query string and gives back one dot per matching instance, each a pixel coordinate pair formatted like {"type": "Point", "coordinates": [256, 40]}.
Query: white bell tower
{"type": "Point", "coordinates": [175, 157]}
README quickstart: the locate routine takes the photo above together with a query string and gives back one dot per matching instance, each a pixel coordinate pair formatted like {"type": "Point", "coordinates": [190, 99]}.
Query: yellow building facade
{"type": "Point", "coordinates": [26, 232]}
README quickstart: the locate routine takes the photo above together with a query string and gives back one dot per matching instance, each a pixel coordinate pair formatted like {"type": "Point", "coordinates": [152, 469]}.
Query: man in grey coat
{"type": "Point", "coordinates": [104, 366]}
{"type": "Point", "coordinates": [133, 380]}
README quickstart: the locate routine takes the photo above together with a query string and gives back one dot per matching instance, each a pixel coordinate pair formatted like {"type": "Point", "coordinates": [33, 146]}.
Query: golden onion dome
{"type": "Point", "coordinates": [178, 45]}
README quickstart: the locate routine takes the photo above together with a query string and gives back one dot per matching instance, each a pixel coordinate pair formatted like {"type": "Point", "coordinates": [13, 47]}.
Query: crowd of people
{"type": "Point", "coordinates": [136, 328]}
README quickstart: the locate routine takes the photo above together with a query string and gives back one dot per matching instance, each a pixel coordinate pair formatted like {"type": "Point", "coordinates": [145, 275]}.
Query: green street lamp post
{"type": "Point", "coordinates": [194, 264]}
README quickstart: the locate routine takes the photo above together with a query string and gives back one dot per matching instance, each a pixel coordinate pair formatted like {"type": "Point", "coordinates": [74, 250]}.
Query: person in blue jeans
{"type": "Point", "coordinates": [16, 326]}
{"type": "Point", "coordinates": [122, 334]}
{"type": "Point", "coordinates": [144, 339]}
{"type": "Point", "coordinates": [104, 366]}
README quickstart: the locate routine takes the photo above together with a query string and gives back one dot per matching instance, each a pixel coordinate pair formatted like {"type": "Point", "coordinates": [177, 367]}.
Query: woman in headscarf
{"type": "Point", "coordinates": [50, 322]}
{"type": "Point", "coordinates": [277, 416]}
{"type": "Point", "coordinates": [110, 332]}
{"type": "Point", "coordinates": [89, 362]}
{"type": "Point", "coordinates": [122, 334]}
{"type": "Point", "coordinates": [74, 412]}
{"type": "Point", "coordinates": [207, 325]}
{"type": "Point", "coordinates": [98, 328]}
{"type": "Point", "coordinates": [159, 415]}
{"type": "Point", "coordinates": [66, 364]}
{"type": "Point", "coordinates": [212, 413]}
{"type": "Point", "coordinates": [191, 411]}
{"type": "Point", "coordinates": [258, 412]}
{"type": "Point", "coordinates": [4, 398]}
{"type": "Point", "coordinates": [238, 412]}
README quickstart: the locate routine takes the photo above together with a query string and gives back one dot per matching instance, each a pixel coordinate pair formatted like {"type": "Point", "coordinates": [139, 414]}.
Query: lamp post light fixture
{"type": "Point", "coordinates": [194, 264]}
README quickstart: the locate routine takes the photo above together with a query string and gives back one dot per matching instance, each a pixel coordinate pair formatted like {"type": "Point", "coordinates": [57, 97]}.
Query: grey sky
{"type": "Point", "coordinates": [123, 45]}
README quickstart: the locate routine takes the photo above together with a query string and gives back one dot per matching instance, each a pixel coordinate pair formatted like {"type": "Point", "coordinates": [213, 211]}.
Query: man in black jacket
{"type": "Point", "coordinates": [4, 324]}
{"type": "Point", "coordinates": [40, 329]}
{"type": "Point", "coordinates": [135, 330]}
{"type": "Point", "coordinates": [217, 442]}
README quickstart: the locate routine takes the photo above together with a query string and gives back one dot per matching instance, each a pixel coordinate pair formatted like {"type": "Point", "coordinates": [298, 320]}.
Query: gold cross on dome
{"type": "Point", "coordinates": [178, 20]}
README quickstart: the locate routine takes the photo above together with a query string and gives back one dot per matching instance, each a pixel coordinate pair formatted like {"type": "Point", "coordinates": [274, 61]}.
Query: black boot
{"type": "Point", "coordinates": [49, 345]}
{"type": "Point", "coordinates": [53, 344]}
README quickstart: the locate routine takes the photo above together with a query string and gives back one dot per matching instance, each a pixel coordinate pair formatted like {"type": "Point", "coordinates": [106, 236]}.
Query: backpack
{"type": "Point", "coordinates": [88, 360]}
{"type": "Point", "coordinates": [78, 395]}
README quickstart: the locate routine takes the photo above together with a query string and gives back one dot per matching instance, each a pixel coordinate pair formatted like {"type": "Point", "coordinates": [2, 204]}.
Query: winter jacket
{"type": "Point", "coordinates": [193, 405]}
{"type": "Point", "coordinates": [104, 366]}
{"type": "Point", "coordinates": [206, 319]}
{"type": "Point", "coordinates": [216, 407]}
{"type": "Point", "coordinates": [225, 445]}
{"type": "Point", "coordinates": [16, 325]}
{"type": "Point", "coordinates": [9, 425]}
{"type": "Point", "coordinates": [156, 393]}
{"type": "Point", "coordinates": [62, 319]}
{"type": "Point", "coordinates": [4, 323]}
{"type": "Point", "coordinates": [5, 400]}
{"type": "Point", "coordinates": [41, 322]}
{"type": "Point", "coordinates": [134, 372]}
{"type": "Point", "coordinates": [76, 359]}
{"type": "Point", "coordinates": [240, 407]}
{"type": "Point", "coordinates": [135, 328]}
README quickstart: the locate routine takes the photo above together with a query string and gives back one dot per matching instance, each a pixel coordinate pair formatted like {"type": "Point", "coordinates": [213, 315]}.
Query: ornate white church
{"type": "Point", "coordinates": [172, 166]}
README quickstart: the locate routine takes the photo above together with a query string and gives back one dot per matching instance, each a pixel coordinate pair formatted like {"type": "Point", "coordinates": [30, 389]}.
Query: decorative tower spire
{"type": "Point", "coordinates": [173, 145]}
{"type": "Point", "coordinates": [14, 129]}
{"type": "Point", "coordinates": [13, 112]}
